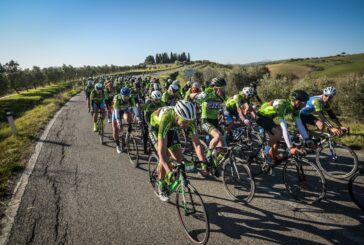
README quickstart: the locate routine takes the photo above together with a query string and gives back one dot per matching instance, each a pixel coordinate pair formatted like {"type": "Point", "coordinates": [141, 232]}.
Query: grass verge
{"type": "Point", "coordinates": [14, 149]}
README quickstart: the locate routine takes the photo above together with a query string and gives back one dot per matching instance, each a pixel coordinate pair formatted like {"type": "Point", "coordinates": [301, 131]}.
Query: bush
{"type": "Point", "coordinates": [273, 88]}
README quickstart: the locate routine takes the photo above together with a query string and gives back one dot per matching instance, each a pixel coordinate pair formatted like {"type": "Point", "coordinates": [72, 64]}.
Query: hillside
{"type": "Point", "coordinates": [331, 67]}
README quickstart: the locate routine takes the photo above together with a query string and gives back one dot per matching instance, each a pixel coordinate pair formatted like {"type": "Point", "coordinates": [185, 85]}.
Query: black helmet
{"type": "Point", "coordinates": [299, 95]}
{"type": "Point", "coordinates": [218, 82]}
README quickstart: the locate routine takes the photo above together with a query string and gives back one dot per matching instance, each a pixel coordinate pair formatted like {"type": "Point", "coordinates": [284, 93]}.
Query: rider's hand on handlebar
{"type": "Point", "coordinates": [336, 131]}
{"type": "Point", "coordinates": [296, 151]}
{"type": "Point", "coordinates": [246, 122]}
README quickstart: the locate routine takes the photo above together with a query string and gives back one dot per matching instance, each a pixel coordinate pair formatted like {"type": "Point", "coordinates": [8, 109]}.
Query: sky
{"type": "Point", "coordinates": [80, 32]}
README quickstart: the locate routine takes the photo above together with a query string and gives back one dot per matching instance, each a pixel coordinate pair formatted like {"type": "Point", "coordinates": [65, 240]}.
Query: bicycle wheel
{"type": "Point", "coordinates": [238, 181]}
{"type": "Point", "coordinates": [152, 172]}
{"type": "Point", "coordinates": [337, 161]}
{"type": "Point", "coordinates": [132, 150]}
{"type": "Point", "coordinates": [192, 214]}
{"type": "Point", "coordinates": [356, 189]}
{"type": "Point", "coordinates": [100, 127]}
{"type": "Point", "coordinates": [250, 143]}
{"type": "Point", "coordinates": [304, 181]}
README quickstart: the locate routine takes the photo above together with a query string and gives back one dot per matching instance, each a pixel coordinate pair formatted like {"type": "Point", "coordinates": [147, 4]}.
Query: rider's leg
{"type": "Point", "coordinates": [274, 139]}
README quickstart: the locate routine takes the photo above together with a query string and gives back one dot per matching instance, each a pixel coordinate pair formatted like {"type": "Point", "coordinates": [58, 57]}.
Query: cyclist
{"type": "Point", "coordinates": [88, 89]}
{"type": "Point", "coordinates": [166, 141]}
{"type": "Point", "coordinates": [123, 103]}
{"type": "Point", "coordinates": [238, 106]}
{"type": "Point", "coordinates": [97, 103]}
{"type": "Point", "coordinates": [212, 101]}
{"type": "Point", "coordinates": [148, 108]}
{"type": "Point", "coordinates": [111, 92]}
{"type": "Point", "coordinates": [279, 108]}
{"type": "Point", "coordinates": [171, 96]}
{"type": "Point", "coordinates": [193, 91]}
{"type": "Point", "coordinates": [186, 88]}
{"type": "Point", "coordinates": [320, 104]}
{"type": "Point", "coordinates": [167, 84]}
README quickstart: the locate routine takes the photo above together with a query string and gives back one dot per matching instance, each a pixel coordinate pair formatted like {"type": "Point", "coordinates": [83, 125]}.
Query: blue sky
{"type": "Point", "coordinates": [78, 32]}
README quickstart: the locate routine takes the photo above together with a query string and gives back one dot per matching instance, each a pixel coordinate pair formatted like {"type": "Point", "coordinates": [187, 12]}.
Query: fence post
{"type": "Point", "coordinates": [9, 116]}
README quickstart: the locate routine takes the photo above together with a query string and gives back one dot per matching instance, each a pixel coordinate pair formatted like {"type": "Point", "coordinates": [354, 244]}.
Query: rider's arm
{"type": "Point", "coordinates": [333, 117]}
{"type": "Point", "coordinates": [286, 136]}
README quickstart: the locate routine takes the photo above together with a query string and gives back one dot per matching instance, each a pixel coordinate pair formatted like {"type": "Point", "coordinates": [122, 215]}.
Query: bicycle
{"type": "Point", "coordinates": [100, 126]}
{"type": "Point", "coordinates": [190, 206]}
{"type": "Point", "coordinates": [356, 189]}
{"type": "Point", "coordinates": [335, 159]}
{"type": "Point", "coordinates": [303, 179]}
{"type": "Point", "coordinates": [128, 141]}
{"type": "Point", "coordinates": [236, 175]}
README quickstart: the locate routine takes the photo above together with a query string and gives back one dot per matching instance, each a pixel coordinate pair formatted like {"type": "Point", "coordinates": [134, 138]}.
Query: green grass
{"type": "Point", "coordinates": [332, 67]}
{"type": "Point", "coordinates": [44, 103]}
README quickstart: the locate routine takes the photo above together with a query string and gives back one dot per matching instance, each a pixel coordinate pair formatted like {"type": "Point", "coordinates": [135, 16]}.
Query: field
{"type": "Point", "coordinates": [330, 67]}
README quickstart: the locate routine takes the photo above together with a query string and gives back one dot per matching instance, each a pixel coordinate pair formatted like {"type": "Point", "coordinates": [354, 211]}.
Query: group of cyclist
{"type": "Point", "coordinates": [161, 109]}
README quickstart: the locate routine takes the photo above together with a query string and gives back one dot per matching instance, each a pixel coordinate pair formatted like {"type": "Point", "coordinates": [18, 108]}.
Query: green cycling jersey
{"type": "Point", "coordinates": [98, 97]}
{"type": "Point", "coordinates": [237, 100]}
{"type": "Point", "coordinates": [121, 104]}
{"type": "Point", "coordinates": [278, 108]}
{"type": "Point", "coordinates": [165, 119]}
{"type": "Point", "coordinates": [211, 104]}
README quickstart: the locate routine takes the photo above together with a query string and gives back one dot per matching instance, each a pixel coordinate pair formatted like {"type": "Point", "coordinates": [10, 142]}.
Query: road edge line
{"type": "Point", "coordinates": [12, 207]}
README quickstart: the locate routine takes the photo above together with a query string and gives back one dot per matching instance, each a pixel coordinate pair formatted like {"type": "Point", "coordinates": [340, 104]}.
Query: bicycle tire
{"type": "Point", "coordinates": [343, 167]}
{"type": "Point", "coordinates": [152, 172]}
{"type": "Point", "coordinates": [188, 207]}
{"type": "Point", "coordinates": [241, 178]}
{"type": "Point", "coordinates": [356, 189]}
{"type": "Point", "coordinates": [302, 185]}
{"type": "Point", "coordinates": [132, 150]}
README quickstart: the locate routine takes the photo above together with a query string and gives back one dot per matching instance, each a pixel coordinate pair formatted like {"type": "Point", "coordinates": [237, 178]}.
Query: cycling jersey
{"type": "Point", "coordinates": [164, 119]}
{"type": "Point", "coordinates": [237, 100]}
{"type": "Point", "coordinates": [315, 104]}
{"type": "Point", "coordinates": [211, 104]}
{"type": "Point", "coordinates": [169, 99]}
{"type": "Point", "coordinates": [278, 109]}
{"type": "Point", "coordinates": [88, 90]}
{"type": "Point", "coordinates": [97, 97]}
{"type": "Point", "coordinates": [121, 104]}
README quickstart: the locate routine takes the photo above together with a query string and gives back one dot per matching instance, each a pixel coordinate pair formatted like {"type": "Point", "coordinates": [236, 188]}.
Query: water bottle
{"type": "Point", "coordinates": [207, 138]}
{"type": "Point", "coordinates": [189, 166]}
{"type": "Point", "coordinates": [174, 185]}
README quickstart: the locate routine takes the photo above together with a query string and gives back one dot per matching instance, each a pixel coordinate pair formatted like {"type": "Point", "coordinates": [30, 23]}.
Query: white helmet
{"type": "Point", "coordinates": [186, 110]}
{"type": "Point", "coordinates": [156, 95]}
{"type": "Point", "coordinates": [330, 91]}
{"type": "Point", "coordinates": [196, 85]}
{"type": "Point", "coordinates": [176, 82]}
{"type": "Point", "coordinates": [156, 87]}
{"type": "Point", "coordinates": [248, 91]}
{"type": "Point", "coordinates": [173, 87]}
{"type": "Point", "coordinates": [188, 83]}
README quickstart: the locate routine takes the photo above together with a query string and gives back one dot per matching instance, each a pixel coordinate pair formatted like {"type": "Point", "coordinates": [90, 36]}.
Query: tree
{"type": "Point", "coordinates": [13, 73]}
{"type": "Point", "coordinates": [188, 58]}
{"type": "Point", "coordinates": [149, 60]}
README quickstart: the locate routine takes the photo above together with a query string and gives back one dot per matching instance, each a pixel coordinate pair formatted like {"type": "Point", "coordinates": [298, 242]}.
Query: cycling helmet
{"type": "Point", "coordinates": [248, 91]}
{"type": "Point", "coordinates": [196, 85]}
{"type": "Point", "coordinates": [218, 82]}
{"type": "Point", "coordinates": [330, 91]}
{"type": "Point", "coordinates": [188, 83]}
{"type": "Point", "coordinates": [176, 82]}
{"type": "Point", "coordinates": [90, 82]}
{"type": "Point", "coordinates": [173, 87]}
{"type": "Point", "coordinates": [156, 95]}
{"type": "Point", "coordinates": [99, 86]}
{"type": "Point", "coordinates": [169, 81]}
{"type": "Point", "coordinates": [300, 95]}
{"type": "Point", "coordinates": [186, 110]}
{"type": "Point", "coordinates": [125, 91]}
{"type": "Point", "coordinates": [156, 86]}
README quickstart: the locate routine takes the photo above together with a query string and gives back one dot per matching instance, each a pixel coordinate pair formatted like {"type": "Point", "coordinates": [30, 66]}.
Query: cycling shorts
{"type": "Point", "coordinates": [99, 106]}
{"type": "Point", "coordinates": [266, 122]}
{"type": "Point", "coordinates": [210, 124]}
{"type": "Point", "coordinates": [172, 139]}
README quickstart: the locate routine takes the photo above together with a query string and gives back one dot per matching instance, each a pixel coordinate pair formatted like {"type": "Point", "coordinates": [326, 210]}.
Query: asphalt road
{"type": "Point", "coordinates": [82, 192]}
